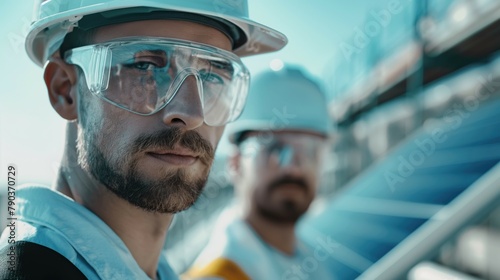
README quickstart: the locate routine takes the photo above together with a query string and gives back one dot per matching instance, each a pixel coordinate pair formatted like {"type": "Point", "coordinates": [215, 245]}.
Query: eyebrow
{"type": "Point", "coordinates": [151, 52]}
{"type": "Point", "coordinates": [154, 54]}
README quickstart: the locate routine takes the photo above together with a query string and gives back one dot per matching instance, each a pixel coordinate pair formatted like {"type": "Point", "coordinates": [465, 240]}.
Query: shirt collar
{"type": "Point", "coordinates": [93, 239]}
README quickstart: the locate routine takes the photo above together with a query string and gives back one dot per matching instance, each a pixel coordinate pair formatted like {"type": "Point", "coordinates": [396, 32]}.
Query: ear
{"type": "Point", "coordinates": [61, 81]}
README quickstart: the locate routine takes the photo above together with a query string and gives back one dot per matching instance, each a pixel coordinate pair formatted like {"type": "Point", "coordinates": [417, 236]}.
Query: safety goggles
{"type": "Point", "coordinates": [143, 75]}
{"type": "Point", "coordinates": [282, 150]}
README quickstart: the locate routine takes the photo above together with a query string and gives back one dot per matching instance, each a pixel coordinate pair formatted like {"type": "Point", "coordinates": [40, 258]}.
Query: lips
{"type": "Point", "coordinates": [288, 182]}
{"type": "Point", "coordinates": [178, 156]}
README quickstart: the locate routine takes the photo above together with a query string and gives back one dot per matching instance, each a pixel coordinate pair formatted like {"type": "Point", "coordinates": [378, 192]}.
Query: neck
{"type": "Point", "coordinates": [142, 232]}
{"type": "Point", "coordinates": [280, 236]}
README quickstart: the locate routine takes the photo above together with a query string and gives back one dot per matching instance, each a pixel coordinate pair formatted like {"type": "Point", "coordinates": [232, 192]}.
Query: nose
{"type": "Point", "coordinates": [186, 108]}
{"type": "Point", "coordinates": [289, 157]}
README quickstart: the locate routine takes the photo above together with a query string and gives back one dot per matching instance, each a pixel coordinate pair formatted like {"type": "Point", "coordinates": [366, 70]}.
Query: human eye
{"type": "Point", "coordinates": [211, 77]}
{"type": "Point", "coordinates": [223, 67]}
{"type": "Point", "coordinates": [148, 60]}
{"type": "Point", "coordinates": [275, 147]}
{"type": "Point", "coordinates": [142, 65]}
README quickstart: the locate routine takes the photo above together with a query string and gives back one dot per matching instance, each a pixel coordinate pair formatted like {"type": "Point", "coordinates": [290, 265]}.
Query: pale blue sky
{"type": "Point", "coordinates": [32, 134]}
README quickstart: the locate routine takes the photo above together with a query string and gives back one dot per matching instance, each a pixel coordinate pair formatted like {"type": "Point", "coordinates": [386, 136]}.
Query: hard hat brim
{"type": "Point", "coordinates": [234, 130]}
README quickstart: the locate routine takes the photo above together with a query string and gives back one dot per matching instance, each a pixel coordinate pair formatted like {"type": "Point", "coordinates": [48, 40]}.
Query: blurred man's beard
{"type": "Point", "coordinates": [170, 193]}
{"type": "Point", "coordinates": [288, 211]}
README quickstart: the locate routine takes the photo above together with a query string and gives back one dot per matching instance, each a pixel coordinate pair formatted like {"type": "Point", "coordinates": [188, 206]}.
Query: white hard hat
{"type": "Point", "coordinates": [56, 18]}
{"type": "Point", "coordinates": [283, 100]}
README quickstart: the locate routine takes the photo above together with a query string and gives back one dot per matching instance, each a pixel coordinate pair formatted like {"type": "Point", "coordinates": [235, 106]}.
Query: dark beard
{"type": "Point", "coordinates": [172, 193]}
{"type": "Point", "coordinates": [288, 212]}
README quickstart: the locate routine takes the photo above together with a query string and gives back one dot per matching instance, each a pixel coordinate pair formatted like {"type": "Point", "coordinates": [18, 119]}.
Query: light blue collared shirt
{"type": "Point", "coordinates": [51, 219]}
{"type": "Point", "coordinates": [234, 239]}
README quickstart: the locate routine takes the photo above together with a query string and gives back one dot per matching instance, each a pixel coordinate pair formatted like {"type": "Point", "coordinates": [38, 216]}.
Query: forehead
{"type": "Point", "coordinates": [175, 29]}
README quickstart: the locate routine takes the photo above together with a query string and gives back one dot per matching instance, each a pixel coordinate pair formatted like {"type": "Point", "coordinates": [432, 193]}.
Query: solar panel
{"type": "Point", "coordinates": [408, 190]}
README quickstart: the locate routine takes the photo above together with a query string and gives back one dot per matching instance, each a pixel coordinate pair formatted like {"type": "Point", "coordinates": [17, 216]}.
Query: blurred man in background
{"type": "Point", "coordinates": [147, 88]}
{"type": "Point", "coordinates": [281, 139]}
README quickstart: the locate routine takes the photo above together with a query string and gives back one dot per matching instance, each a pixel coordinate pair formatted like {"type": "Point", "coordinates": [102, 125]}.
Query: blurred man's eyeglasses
{"type": "Point", "coordinates": [286, 149]}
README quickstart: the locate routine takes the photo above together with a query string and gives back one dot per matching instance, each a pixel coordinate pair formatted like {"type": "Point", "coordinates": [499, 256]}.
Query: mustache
{"type": "Point", "coordinates": [169, 138]}
{"type": "Point", "coordinates": [288, 180]}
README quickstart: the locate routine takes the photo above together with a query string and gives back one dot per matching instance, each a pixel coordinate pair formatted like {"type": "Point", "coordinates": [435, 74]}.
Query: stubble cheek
{"type": "Point", "coordinates": [214, 135]}
{"type": "Point", "coordinates": [107, 135]}
{"type": "Point", "coordinates": [116, 146]}
{"type": "Point", "coordinates": [97, 132]}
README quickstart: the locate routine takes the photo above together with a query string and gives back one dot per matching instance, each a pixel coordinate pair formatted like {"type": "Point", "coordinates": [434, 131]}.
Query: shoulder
{"type": "Point", "coordinates": [236, 241]}
{"type": "Point", "coordinates": [27, 260]}
{"type": "Point", "coordinates": [41, 235]}
{"type": "Point", "coordinates": [218, 268]}
{"type": "Point", "coordinates": [45, 217]}
{"type": "Point", "coordinates": [232, 253]}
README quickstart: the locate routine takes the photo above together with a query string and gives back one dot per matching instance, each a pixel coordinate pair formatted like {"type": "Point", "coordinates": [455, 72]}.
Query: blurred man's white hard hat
{"type": "Point", "coordinates": [283, 100]}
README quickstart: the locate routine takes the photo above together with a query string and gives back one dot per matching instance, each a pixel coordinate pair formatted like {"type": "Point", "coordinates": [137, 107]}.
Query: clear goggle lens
{"type": "Point", "coordinates": [142, 75]}
{"type": "Point", "coordinates": [302, 150]}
